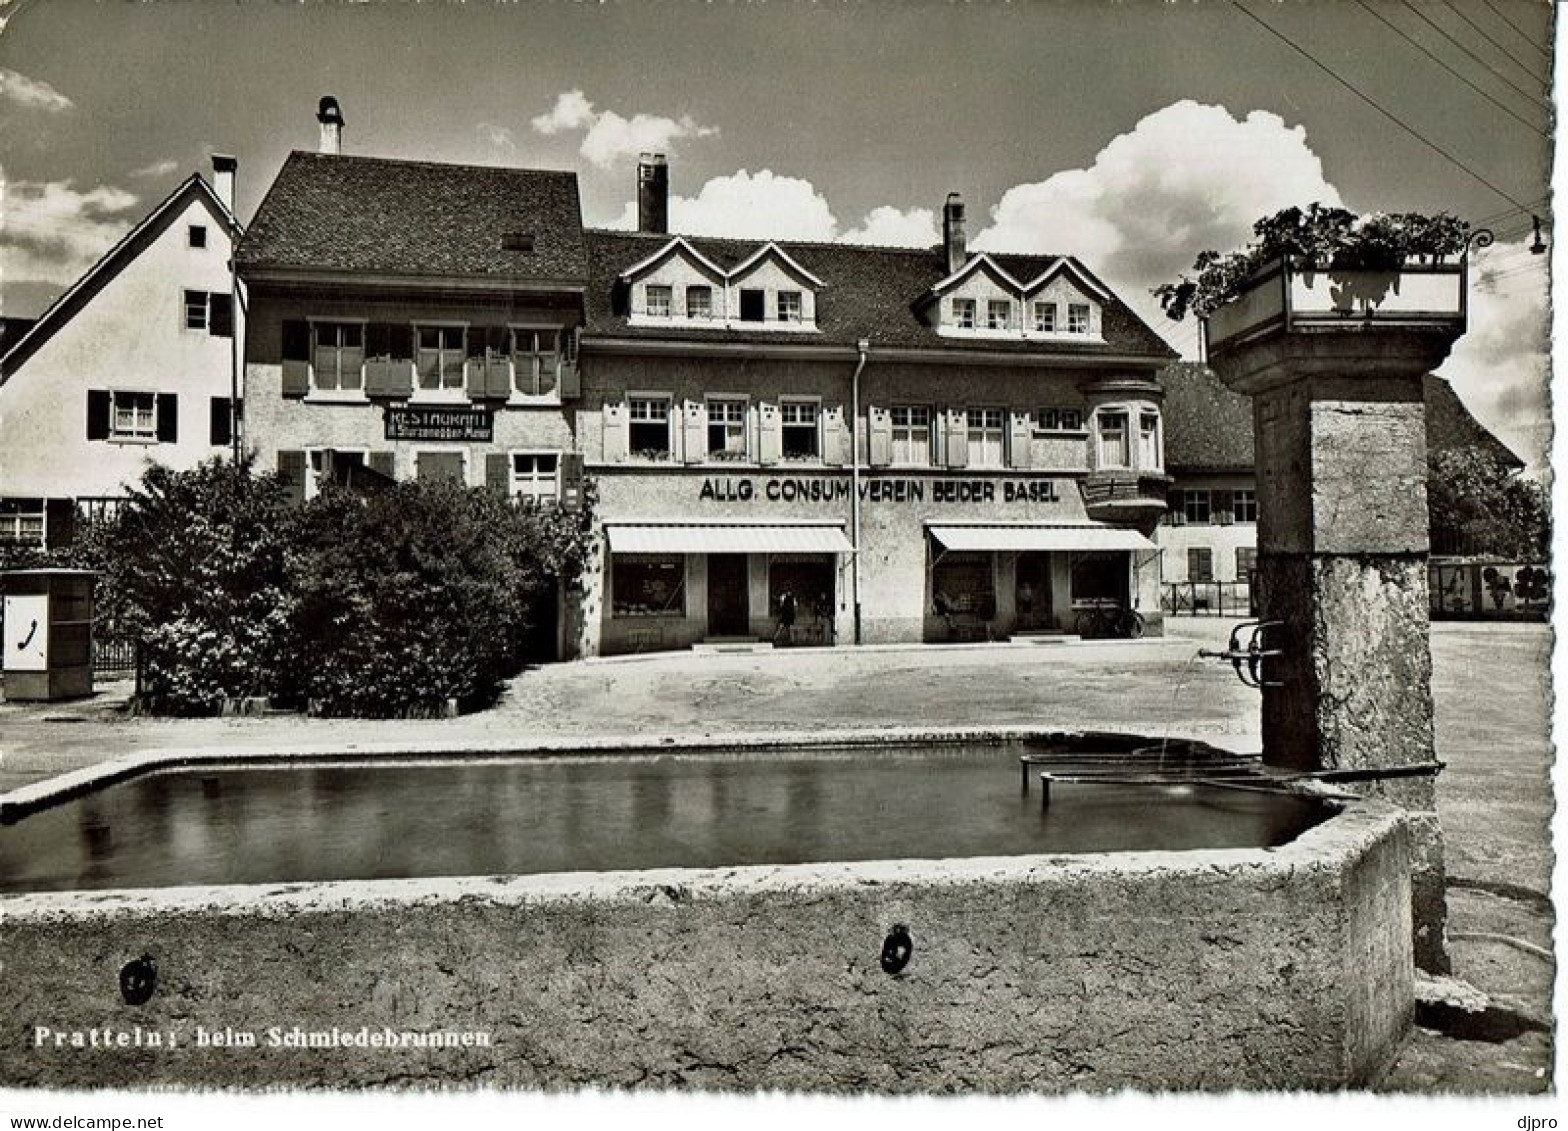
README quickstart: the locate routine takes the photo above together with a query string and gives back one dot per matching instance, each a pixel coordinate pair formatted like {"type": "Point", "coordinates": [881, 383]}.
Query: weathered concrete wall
{"type": "Point", "coordinates": [1284, 968]}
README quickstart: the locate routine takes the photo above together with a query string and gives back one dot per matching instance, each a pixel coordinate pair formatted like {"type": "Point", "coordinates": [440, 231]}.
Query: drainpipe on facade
{"type": "Point", "coordinates": [864, 347]}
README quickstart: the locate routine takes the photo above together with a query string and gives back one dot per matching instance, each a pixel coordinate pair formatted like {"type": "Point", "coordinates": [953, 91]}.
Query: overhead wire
{"type": "Point", "coordinates": [1524, 35]}
{"type": "Point", "coordinates": [1481, 31]}
{"type": "Point", "coordinates": [1534, 96]}
{"type": "Point", "coordinates": [1370, 101]}
{"type": "Point", "coordinates": [1399, 31]}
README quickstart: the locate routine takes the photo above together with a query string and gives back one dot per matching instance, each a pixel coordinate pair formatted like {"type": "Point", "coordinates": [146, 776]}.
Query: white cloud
{"type": "Point", "coordinates": [33, 94]}
{"type": "Point", "coordinates": [1500, 367]}
{"type": "Point", "coordinates": [572, 111]}
{"type": "Point", "coordinates": [609, 136]}
{"type": "Point", "coordinates": [156, 169]}
{"type": "Point", "coordinates": [497, 137]}
{"type": "Point", "coordinates": [766, 205]}
{"type": "Point", "coordinates": [886, 226]}
{"type": "Point", "coordinates": [52, 232]}
{"type": "Point", "coordinates": [1185, 178]}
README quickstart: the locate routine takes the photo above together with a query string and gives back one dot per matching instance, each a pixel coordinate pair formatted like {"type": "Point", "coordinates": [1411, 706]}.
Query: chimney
{"type": "Point", "coordinates": [223, 167]}
{"type": "Point", "coordinates": [954, 241]}
{"type": "Point", "coordinates": [653, 193]}
{"type": "Point", "coordinates": [331, 119]}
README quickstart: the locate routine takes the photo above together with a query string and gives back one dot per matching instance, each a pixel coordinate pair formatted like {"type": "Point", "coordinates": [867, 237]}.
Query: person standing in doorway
{"type": "Point", "coordinates": [786, 626]}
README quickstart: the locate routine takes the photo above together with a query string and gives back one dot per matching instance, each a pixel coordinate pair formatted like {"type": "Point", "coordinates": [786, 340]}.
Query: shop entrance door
{"type": "Point", "coordinates": [728, 609]}
{"type": "Point", "coordinates": [1032, 594]}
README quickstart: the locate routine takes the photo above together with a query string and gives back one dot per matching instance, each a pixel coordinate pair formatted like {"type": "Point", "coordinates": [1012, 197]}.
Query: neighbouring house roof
{"type": "Point", "coordinates": [12, 329]}
{"type": "Point", "coordinates": [866, 292]}
{"type": "Point", "coordinates": [14, 351]}
{"type": "Point", "coordinates": [335, 214]}
{"type": "Point", "coordinates": [1208, 428]}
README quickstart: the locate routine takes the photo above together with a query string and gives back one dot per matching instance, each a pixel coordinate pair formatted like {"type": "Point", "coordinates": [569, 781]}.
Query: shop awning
{"type": "Point", "coordinates": [1040, 537]}
{"type": "Point", "coordinates": [737, 538]}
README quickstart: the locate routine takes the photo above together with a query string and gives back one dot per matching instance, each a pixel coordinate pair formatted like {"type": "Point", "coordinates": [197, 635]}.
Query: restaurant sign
{"type": "Point", "coordinates": [407, 422]}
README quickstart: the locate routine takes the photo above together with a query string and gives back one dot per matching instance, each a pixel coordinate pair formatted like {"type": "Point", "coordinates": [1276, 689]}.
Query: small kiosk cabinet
{"type": "Point", "coordinates": [48, 633]}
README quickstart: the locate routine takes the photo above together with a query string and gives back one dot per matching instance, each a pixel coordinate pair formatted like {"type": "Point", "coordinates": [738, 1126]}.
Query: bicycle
{"type": "Point", "coordinates": [1108, 619]}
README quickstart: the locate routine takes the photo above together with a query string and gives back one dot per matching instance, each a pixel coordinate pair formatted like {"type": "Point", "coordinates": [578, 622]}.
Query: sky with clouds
{"type": "Point", "coordinates": [1133, 135]}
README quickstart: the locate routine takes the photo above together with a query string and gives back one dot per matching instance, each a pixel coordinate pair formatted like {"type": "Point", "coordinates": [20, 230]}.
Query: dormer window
{"type": "Point", "coordinates": [964, 313]}
{"type": "Point", "coordinates": [789, 306]}
{"type": "Point", "coordinates": [1077, 318]}
{"type": "Point", "coordinates": [998, 314]}
{"type": "Point", "coordinates": [753, 305]}
{"type": "Point", "coordinates": [699, 302]}
{"type": "Point", "coordinates": [1045, 317]}
{"type": "Point", "coordinates": [659, 298]}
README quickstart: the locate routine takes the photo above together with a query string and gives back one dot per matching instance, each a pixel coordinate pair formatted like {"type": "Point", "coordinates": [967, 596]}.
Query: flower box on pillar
{"type": "Point", "coordinates": [1333, 358]}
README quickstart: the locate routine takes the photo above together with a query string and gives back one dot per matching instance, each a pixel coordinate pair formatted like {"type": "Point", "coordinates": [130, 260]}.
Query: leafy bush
{"type": "Point", "coordinates": [1328, 239]}
{"type": "Point", "coordinates": [192, 564]}
{"type": "Point", "coordinates": [420, 593]}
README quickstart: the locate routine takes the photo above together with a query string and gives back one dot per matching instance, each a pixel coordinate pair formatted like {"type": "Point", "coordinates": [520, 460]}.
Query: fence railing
{"type": "Point", "coordinates": [114, 655]}
{"type": "Point", "coordinates": [1206, 598]}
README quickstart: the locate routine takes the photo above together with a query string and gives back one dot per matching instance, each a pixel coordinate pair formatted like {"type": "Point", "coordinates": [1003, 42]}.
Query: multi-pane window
{"type": "Point", "coordinates": [789, 306]}
{"type": "Point", "coordinates": [799, 419]}
{"type": "Point", "coordinates": [328, 465]}
{"type": "Point", "coordinates": [536, 360]}
{"type": "Point", "coordinates": [1113, 439]}
{"type": "Point", "coordinates": [22, 521]}
{"type": "Point", "coordinates": [1045, 317]}
{"type": "Point", "coordinates": [1077, 318]}
{"type": "Point", "coordinates": [1060, 419]}
{"type": "Point", "coordinates": [133, 416]}
{"type": "Point", "coordinates": [998, 314]}
{"type": "Point", "coordinates": [727, 429]}
{"type": "Point", "coordinates": [440, 361]}
{"type": "Point", "coordinates": [1244, 505]}
{"type": "Point", "coordinates": [659, 297]}
{"type": "Point", "coordinates": [1200, 564]}
{"type": "Point", "coordinates": [964, 313]}
{"type": "Point", "coordinates": [1149, 440]}
{"type": "Point", "coordinates": [1246, 562]}
{"type": "Point", "coordinates": [649, 430]}
{"type": "Point", "coordinates": [536, 476]}
{"type": "Point", "coordinates": [1195, 506]}
{"type": "Point", "coordinates": [339, 356]}
{"type": "Point", "coordinates": [699, 302]}
{"type": "Point", "coordinates": [987, 437]}
{"type": "Point", "coordinates": [912, 434]}
{"type": "Point", "coordinates": [195, 310]}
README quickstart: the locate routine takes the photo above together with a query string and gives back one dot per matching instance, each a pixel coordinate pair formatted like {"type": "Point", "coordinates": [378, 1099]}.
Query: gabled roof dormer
{"type": "Point", "coordinates": [679, 286]}
{"type": "Point", "coordinates": [676, 284]}
{"type": "Point", "coordinates": [1065, 302]}
{"type": "Point", "coordinates": [770, 288]}
{"type": "Point", "coordinates": [979, 300]}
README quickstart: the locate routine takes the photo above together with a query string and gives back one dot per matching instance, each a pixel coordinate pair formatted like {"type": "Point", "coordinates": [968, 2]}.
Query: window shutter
{"type": "Point", "coordinates": [1018, 433]}
{"type": "Point", "coordinates": [59, 522]}
{"type": "Point", "coordinates": [770, 433]}
{"type": "Point", "coordinates": [380, 463]}
{"type": "Point", "coordinates": [221, 320]}
{"type": "Point", "coordinates": [571, 480]}
{"type": "Point", "coordinates": [498, 475]}
{"type": "Point", "coordinates": [498, 368]}
{"type": "Point", "coordinates": [957, 438]}
{"type": "Point", "coordinates": [833, 438]}
{"type": "Point", "coordinates": [296, 358]}
{"type": "Point", "coordinates": [291, 467]}
{"type": "Point", "coordinates": [97, 414]}
{"type": "Point", "coordinates": [379, 370]}
{"type": "Point", "coordinates": [222, 433]}
{"type": "Point", "coordinates": [571, 383]}
{"type": "Point", "coordinates": [879, 429]}
{"type": "Point", "coordinates": [168, 418]}
{"type": "Point", "coordinates": [615, 431]}
{"type": "Point", "coordinates": [474, 366]}
{"type": "Point", "coordinates": [694, 442]}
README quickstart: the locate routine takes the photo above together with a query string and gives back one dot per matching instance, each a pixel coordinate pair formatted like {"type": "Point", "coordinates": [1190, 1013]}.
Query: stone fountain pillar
{"type": "Point", "coordinates": [1340, 425]}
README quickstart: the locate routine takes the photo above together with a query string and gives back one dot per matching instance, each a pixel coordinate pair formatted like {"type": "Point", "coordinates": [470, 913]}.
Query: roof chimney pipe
{"type": "Point", "coordinates": [331, 118]}
{"type": "Point", "coordinates": [223, 168]}
{"type": "Point", "coordinates": [653, 193]}
{"type": "Point", "coordinates": [954, 241]}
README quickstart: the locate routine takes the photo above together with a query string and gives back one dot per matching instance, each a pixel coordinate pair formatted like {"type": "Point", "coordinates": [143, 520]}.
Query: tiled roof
{"type": "Point", "coordinates": [374, 215]}
{"type": "Point", "coordinates": [867, 292]}
{"type": "Point", "coordinates": [1209, 428]}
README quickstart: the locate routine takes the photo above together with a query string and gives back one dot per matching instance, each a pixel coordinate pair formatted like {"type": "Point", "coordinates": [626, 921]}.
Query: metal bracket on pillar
{"type": "Point", "coordinates": [1247, 659]}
